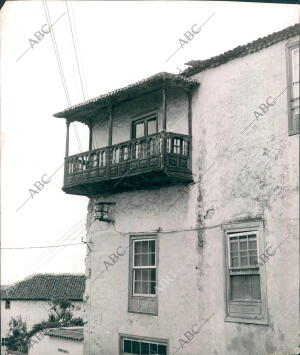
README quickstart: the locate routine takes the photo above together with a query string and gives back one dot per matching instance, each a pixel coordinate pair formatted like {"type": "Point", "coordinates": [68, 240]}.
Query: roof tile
{"type": "Point", "coordinates": [47, 287]}
{"type": "Point", "coordinates": [196, 66]}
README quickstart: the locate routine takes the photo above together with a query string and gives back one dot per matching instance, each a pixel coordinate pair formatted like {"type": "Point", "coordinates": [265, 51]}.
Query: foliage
{"type": "Point", "coordinates": [60, 315]}
{"type": "Point", "coordinates": [17, 336]}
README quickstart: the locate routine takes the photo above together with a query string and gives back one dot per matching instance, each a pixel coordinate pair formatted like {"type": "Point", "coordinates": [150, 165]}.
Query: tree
{"type": "Point", "coordinates": [17, 336]}
{"type": "Point", "coordinates": [60, 315]}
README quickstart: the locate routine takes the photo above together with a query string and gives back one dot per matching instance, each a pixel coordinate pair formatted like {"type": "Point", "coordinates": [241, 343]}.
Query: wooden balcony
{"type": "Point", "coordinates": [159, 159]}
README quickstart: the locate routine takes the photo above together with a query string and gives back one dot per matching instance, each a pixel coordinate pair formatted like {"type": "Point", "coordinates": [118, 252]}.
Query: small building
{"type": "Point", "coordinates": [30, 298]}
{"type": "Point", "coordinates": [67, 340]}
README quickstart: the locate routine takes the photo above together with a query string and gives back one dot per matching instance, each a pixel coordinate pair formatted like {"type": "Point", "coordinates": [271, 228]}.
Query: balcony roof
{"type": "Point", "coordinates": [128, 92]}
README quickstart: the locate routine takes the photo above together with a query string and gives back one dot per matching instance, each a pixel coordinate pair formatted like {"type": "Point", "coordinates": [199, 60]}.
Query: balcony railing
{"type": "Point", "coordinates": [162, 157]}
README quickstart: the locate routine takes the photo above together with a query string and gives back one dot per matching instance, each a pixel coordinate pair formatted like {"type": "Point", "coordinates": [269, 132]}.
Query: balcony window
{"type": "Point", "coordinates": [144, 127]}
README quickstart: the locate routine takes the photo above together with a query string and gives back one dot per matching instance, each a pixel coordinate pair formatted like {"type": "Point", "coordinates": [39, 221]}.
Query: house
{"type": "Point", "coordinates": [30, 298]}
{"type": "Point", "coordinates": [192, 226]}
{"type": "Point", "coordinates": [67, 340]}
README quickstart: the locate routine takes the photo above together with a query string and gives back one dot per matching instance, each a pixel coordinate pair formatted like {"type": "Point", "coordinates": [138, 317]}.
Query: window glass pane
{"type": "Point", "coordinates": [152, 245]}
{"type": "Point", "coordinates": [144, 259]}
{"type": "Point", "coordinates": [139, 129]}
{"type": "Point", "coordinates": [245, 287]}
{"type": "Point", "coordinates": [153, 274]}
{"type": "Point", "coordinates": [235, 261]}
{"type": "Point", "coordinates": [253, 260]}
{"type": "Point", "coordinates": [252, 244]}
{"type": "Point", "coordinates": [152, 259]}
{"type": "Point", "coordinates": [243, 245]}
{"type": "Point", "coordinates": [255, 286]}
{"type": "Point", "coordinates": [145, 248]}
{"type": "Point", "coordinates": [152, 288]}
{"type": "Point", "coordinates": [145, 275]}
{"type": "Point", "coordinates": [138, 260]}
{"type": "Point", "coordinates": [138, 287]}
{"type": "Point", "coordinates": [162, 350]}
{"type": "Point", "coordinates": [136, 347]}
{"type": "Point", "coordinates": [152, 126]}
{"type": "Point", "coordinates": [137, 247]}
{"type": "Point", "coordinates": [138, 274]}
{"type": "Point", "coordinates": [234, 246]}
{"type": "Point", "coordinates": [244, 258]}
{"type": "Point", "coordinates": [127, 346]}
{"type": "Point", "coordinates": [145, 287]}
{"type": "Point", "coordinates": [153, 349]}
{"type": "Point", "coordinates": [145, 348]}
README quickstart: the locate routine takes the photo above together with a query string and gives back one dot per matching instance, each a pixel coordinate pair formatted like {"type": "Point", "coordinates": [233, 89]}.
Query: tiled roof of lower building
{"type": "Point", "coordinates": [74, 333]}
{"type": "Point", "coordinates": [196, 66]}
{"type": "Point", "coordinates": [47, 287]}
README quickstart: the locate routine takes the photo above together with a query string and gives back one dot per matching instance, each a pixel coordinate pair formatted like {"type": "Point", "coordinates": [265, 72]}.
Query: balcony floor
{"type": "Point", "coordinates": [136, 181]}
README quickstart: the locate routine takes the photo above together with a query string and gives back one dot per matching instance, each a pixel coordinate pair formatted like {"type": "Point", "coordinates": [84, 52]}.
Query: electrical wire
{"type": "Point", "coordinates": [61, 71]}
{"type": "Point", "coordinates": [34, 264]}
{"type": "Point", "coordinates": [41, 247]}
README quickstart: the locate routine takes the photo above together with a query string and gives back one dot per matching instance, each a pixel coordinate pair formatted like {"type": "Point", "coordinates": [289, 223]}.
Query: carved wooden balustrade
{"type": "Point", "coordinates": [157, 159]}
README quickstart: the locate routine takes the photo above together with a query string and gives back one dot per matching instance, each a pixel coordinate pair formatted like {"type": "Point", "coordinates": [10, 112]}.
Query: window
{"type": "Point", "coordinates": [142, 346]}
{"type": "Point", "coordinates": [3, 341]}
{"type": "Point", "coordinates": [293, 88]}
{"type": "Point", "coordinates": [245, 278]}
{"type": "Point", "coordinates": [144, 269]}
{"type": "Point", "coordinates": [7, 304]}
{"type": "Point", "coordinates": [144, 127]}
{"type": "Point", "coordinates": [143, 275]}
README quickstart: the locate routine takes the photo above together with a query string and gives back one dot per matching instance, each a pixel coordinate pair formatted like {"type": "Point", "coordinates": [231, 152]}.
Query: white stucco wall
{"type": "Point", "coordinates": [32, 312]}
{"type": "Point", "coordinates": [128, 111]}
{"type": "Point", "coordinates": [254, 176]}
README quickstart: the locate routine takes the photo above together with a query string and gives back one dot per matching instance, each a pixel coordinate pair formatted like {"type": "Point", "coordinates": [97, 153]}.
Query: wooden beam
{"type": "Point", "coordinates": [91, 136]}
{"type": "Point", "coordinates": [164, 106]}
{"type": "Point", "coordinates": [110, 130]}
{"type": "Point", "coordinates": [190, 127]}
{"type": "Point", "coordinates": [67, 138]}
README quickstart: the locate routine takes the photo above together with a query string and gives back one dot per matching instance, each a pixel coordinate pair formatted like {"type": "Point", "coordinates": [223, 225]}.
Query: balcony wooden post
{"type": "Point", "coordinates": [110, 133]}
{"type": "Point", "coordinates": [164, 107]}
{"type": "Point", "coordinates": [90, 136]}
{"type": "Point", "coordinates": [189, 94]}
{"type": "Point", "coordinates": [67, 138]}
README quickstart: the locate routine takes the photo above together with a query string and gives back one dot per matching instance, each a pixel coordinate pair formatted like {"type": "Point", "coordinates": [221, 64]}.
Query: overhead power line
{"type": "Point", "coordinates": [61, 71]}
{"type": "Point", "coordinates": [46, 246]}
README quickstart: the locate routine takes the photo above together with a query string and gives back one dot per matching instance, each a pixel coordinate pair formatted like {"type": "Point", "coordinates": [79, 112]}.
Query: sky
{"type": "Point", "coordinates": [117, 43]}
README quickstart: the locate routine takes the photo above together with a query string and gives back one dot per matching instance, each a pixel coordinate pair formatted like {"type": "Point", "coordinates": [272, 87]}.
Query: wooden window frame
{"type": "Point", "coordinates": [241, 317]}
{"type": "Point", "coordinates": [135, 267]}
{"type": "Point", "coordinates": [141, 298]}
{"type": "Point", "coordinates": [7, 304]}
{"type": "Point", "coordinates": [289, 47]}
{"type": "Point", "coordinates": [144, 119]}
{"type": "Point", "coordinates": [159, 341]}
